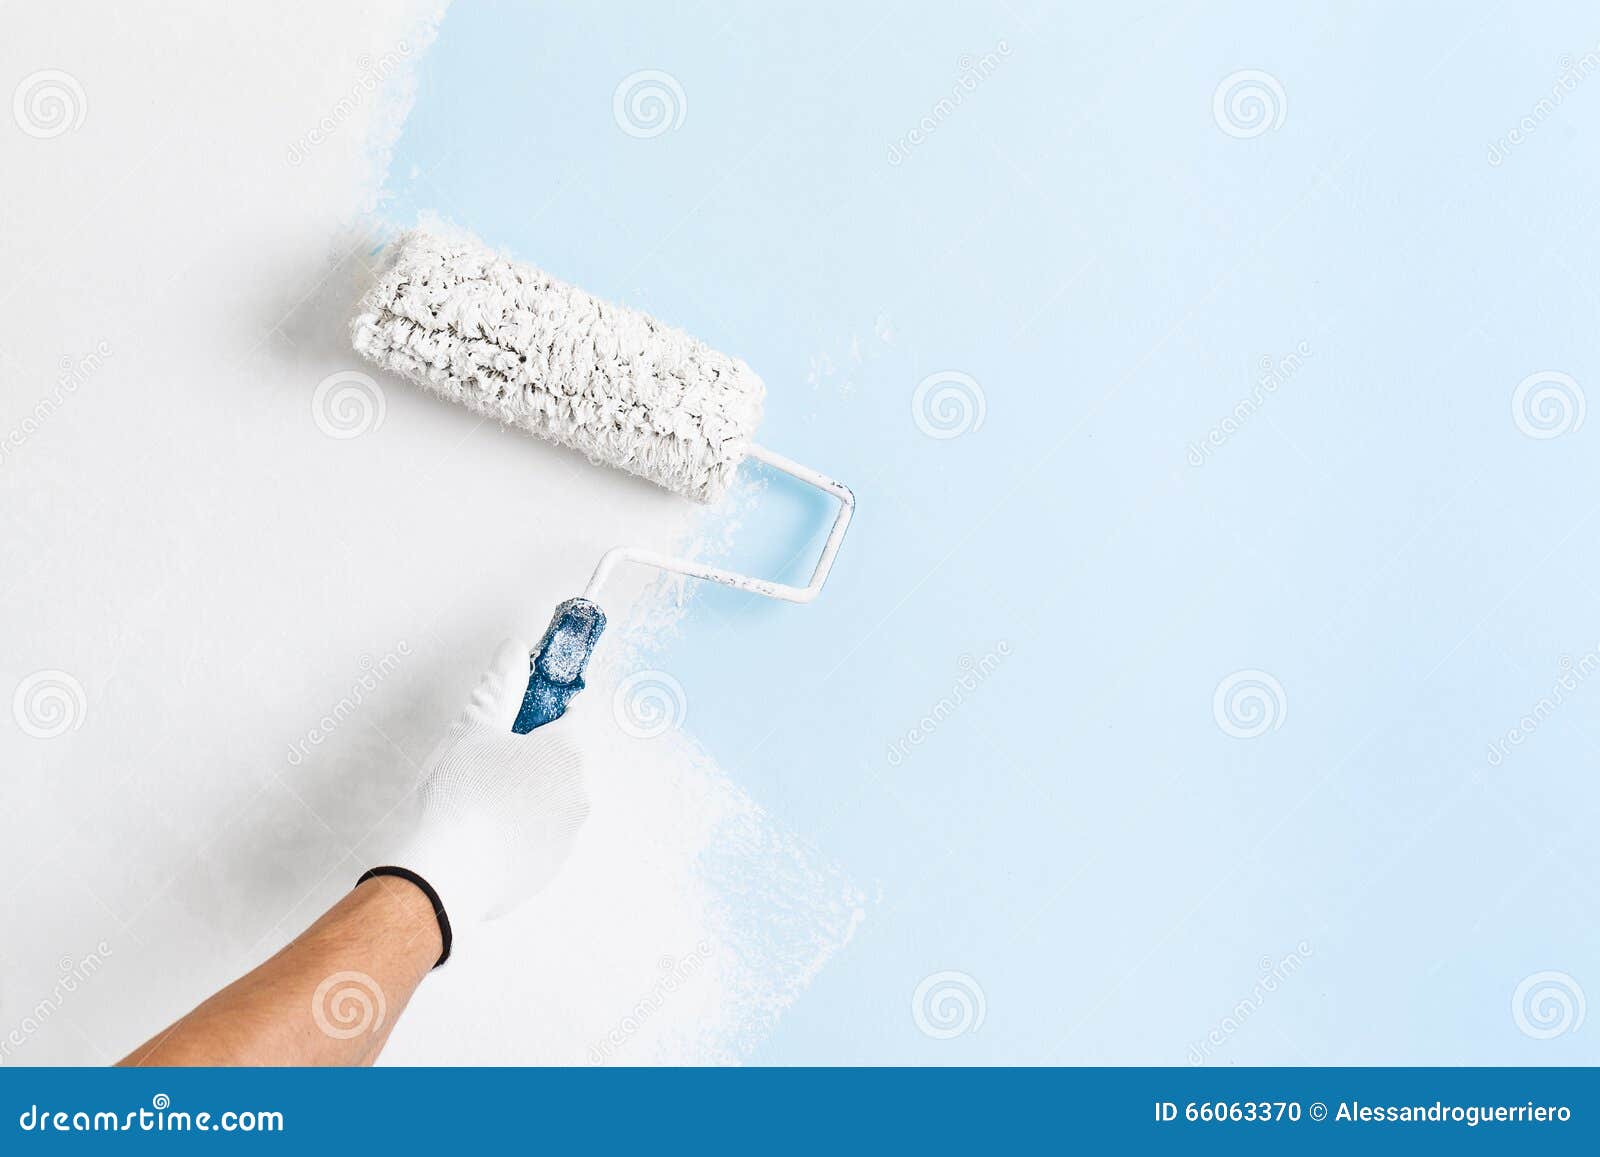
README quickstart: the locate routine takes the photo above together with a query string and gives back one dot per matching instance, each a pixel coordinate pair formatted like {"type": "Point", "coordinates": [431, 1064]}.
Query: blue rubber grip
{"type": "Point", "coordinates": [555, 669]}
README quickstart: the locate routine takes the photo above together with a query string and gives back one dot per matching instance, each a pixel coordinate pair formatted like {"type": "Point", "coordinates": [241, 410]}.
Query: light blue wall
{"type": "Point", "coordinates": [1082, 238]}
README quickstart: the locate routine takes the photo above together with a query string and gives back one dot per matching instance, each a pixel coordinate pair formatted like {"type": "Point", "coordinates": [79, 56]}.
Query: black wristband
{"type": "Point", "coordinates": [427, 890]}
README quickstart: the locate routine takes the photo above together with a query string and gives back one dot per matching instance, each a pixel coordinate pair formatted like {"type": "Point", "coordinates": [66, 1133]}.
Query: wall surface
{"type": "Point", "coordinates": [1208, 677]}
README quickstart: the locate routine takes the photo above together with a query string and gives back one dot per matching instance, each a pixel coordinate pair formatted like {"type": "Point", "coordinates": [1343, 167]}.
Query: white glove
{"type": "Point", "coordinates": [500, 811]}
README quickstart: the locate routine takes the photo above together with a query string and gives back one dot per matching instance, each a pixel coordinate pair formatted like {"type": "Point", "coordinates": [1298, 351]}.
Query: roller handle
{"type": "Point", "coordinates": [555, 668]}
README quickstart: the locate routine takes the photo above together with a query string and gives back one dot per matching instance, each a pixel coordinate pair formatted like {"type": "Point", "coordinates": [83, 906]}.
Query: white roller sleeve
{"type": "Point", "coordinates": [515, 344]}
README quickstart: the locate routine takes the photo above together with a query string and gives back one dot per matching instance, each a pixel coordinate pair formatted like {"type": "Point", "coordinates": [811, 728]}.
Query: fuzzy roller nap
{"type": "Point", "coordinates": [513, 343]}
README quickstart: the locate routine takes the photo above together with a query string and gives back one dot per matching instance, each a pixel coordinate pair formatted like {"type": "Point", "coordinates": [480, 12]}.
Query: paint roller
{"type": "Point", "coordinates": [512, 343]}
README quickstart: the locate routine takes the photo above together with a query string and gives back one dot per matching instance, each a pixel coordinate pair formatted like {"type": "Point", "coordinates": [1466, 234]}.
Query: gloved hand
{"type": "Point", "coordinates": [500, 811]}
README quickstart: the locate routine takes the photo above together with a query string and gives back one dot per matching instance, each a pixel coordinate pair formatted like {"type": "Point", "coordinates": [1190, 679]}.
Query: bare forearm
{"type": "Point", "coordinates": [328, 998]}
{"type": "Point", "coordinates": [498, 814]}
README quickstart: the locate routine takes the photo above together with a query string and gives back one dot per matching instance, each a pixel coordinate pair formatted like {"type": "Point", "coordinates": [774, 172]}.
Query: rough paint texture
{"type": "Point", "coordinates": [557, 663]}
{"type": "Point", "coordinates": [513, 343]}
